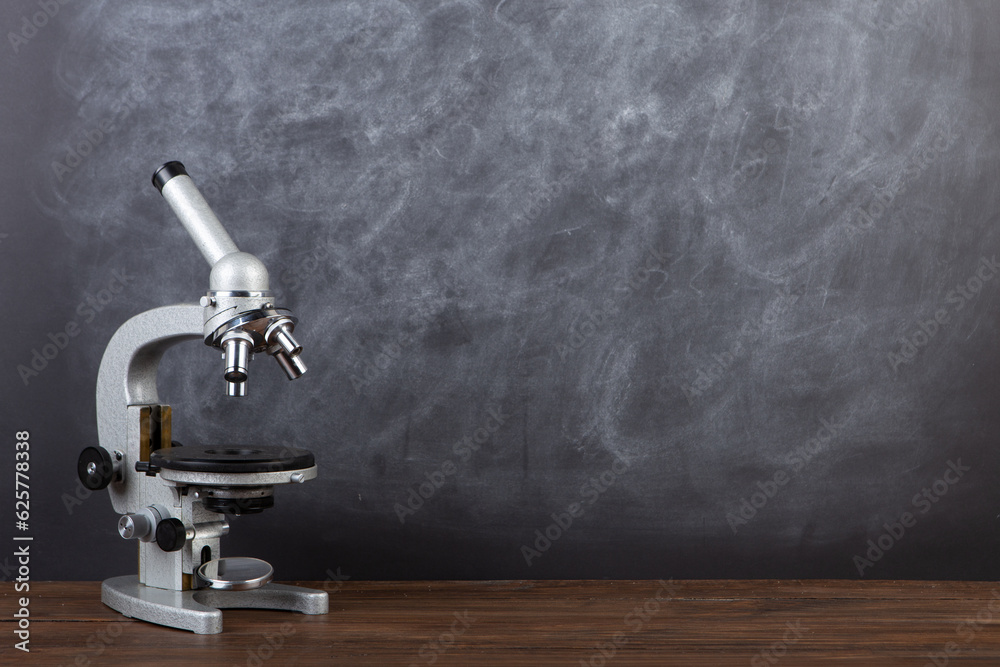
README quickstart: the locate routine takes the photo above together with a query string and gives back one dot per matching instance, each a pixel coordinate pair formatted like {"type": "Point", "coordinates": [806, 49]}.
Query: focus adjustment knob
{"type": "Point", "coordinates": [95, 468]}
{"type": "Point", "coordinates": [171, 534]}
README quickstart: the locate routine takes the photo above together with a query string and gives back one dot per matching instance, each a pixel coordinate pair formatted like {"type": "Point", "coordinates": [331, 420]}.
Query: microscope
{"type": "Point", "coordinates": [176, 500]}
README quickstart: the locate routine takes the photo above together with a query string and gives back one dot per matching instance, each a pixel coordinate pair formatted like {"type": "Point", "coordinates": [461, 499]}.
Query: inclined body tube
{"type": "Point", "coordinates": [232, 270]}
{"type": "Point", "coordinates": [194, 212]}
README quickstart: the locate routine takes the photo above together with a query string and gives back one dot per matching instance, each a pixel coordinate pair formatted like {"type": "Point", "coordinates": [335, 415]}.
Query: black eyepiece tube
{"type": "Point", "coordinates": [166, 172]}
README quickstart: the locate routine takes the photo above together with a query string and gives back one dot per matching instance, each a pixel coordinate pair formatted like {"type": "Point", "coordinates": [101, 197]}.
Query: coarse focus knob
{"type": "Point", "coordinates": [171, 534]}
{"type": "Point", "coordinates": [95, 468]}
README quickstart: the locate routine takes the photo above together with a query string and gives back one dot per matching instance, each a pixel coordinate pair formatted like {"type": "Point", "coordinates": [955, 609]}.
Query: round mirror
{"type": "Point", "coordinates": [235, 574]}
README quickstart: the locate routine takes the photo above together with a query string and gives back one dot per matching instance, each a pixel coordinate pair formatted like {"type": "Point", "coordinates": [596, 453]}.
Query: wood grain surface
{"type": "Point", "coordinates": [541, 623]}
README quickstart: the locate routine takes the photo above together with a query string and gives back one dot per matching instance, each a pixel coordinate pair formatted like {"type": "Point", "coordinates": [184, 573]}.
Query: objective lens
{"type": "Point", "coordinates": [294, 367]}
{"type": "Point", "coordinates": [237, 345]}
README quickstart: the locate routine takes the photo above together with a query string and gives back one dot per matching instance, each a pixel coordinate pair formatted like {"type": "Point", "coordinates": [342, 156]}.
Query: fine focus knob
{"type": "Point", "coordinates": [95, 468]}
{"type": "Point", "coordinates": [171, 534]}
{"type": "Point", "coordinates": [134, 526]}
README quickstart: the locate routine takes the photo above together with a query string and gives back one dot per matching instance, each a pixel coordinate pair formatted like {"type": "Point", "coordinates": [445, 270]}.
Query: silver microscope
{"type": "Point", "coordinates": [175, 500]}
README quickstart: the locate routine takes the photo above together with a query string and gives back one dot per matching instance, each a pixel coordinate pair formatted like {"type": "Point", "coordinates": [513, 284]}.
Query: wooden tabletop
{"type": "Point", "coordinates": [574, 623]}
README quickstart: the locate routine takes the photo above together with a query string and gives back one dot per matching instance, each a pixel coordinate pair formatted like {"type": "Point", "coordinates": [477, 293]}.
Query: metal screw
{"type": "Point", "coordinates": [91, 468]}
{"type": "Point", "coordinates": [297, 477]}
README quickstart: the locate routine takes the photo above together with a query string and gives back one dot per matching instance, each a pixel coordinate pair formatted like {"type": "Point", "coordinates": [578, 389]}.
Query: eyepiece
{"type": "Point", "coordinates": [166, 172]}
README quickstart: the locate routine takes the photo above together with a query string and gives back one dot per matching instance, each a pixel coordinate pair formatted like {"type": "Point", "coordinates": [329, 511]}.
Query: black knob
{"type": "Point", "coordinates": [171, 534]}
{"type": "Point", "coordinates": [94, 468]}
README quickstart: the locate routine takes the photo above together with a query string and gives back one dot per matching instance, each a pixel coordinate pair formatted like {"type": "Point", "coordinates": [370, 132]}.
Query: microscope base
{"type": "Point", "coordinates": [200, 610]}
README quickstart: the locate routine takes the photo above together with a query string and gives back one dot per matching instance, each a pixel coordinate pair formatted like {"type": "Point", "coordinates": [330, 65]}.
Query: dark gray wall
{"type": "Point", "coordinates": [696, 251]}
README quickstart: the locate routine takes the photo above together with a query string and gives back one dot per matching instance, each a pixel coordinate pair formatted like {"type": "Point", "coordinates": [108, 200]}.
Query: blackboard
{"type": "Point", "coordinates": [586, 289]}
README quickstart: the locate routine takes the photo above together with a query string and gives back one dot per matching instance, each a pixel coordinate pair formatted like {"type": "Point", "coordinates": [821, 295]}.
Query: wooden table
{"type": "Point", "coordinates": [541, 623]}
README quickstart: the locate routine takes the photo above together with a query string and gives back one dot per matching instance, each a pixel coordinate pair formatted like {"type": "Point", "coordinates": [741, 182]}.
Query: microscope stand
{"type": "Point", "coordinates": [200, 610]}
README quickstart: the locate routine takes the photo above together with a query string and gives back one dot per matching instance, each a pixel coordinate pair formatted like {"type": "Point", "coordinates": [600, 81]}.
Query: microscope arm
{"type": "Point", "coordinates": [127, 379]}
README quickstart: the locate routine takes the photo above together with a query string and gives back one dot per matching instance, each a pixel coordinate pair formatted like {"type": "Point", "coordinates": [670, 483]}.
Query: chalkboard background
{"type": "Point", "coordinates": [712, 286]}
